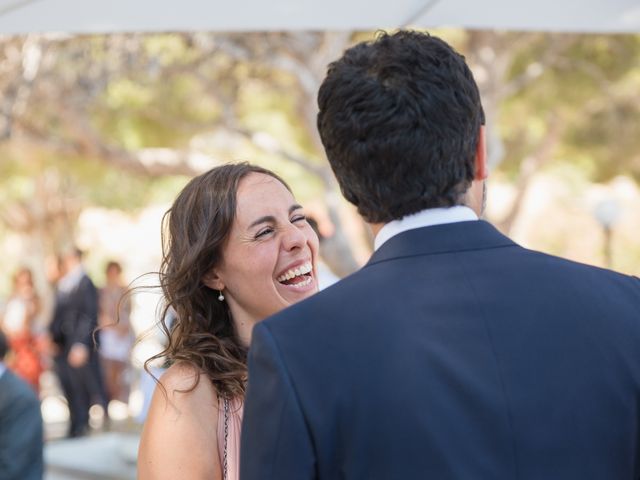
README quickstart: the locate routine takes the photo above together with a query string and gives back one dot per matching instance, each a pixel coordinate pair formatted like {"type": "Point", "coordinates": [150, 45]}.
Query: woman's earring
{"type": "Point", "coordinates": [221, 296]}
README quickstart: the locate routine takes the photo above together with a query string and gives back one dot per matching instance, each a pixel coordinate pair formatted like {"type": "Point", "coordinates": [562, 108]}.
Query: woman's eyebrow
{"type": "Point", "coordinates": [271, 218]}
{"type": "Point", "coordinates": [265, 219]}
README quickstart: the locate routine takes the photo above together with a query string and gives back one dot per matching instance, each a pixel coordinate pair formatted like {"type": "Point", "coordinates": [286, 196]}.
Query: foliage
{"type": "Point", "coordinates": [122, 120]}
{"type": "Point", "coordinates": [591, 90]}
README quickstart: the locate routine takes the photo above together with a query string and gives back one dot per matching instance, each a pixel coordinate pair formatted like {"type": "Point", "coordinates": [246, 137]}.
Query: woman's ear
{"type": "Point", "coordinates": [213, 280]}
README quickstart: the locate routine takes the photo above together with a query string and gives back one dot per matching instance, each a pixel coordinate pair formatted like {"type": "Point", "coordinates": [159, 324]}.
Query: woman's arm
{"type": "Point", "coordinates": [33, 309]}
{"type": "Point", "coordinates": [179, 438]}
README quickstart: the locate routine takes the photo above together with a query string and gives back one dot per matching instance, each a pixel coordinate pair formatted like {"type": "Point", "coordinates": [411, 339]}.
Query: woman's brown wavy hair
{"type": "Point", "coordinates": [194, 232]}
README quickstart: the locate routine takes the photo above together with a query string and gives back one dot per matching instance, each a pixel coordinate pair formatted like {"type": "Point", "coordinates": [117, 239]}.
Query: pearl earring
{"type": "Point", "coordinates": [221, 296]}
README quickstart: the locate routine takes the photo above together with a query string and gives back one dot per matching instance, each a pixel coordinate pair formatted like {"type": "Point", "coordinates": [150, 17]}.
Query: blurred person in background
{"type": "Point", "coordinates": [21, 430]}
{"type": "Point", "coordinates": [116, 334]}
{"type": "Point", "coordinates": [76, 362]}
{"type": "Point", "coordinates": [19, 323]}
{"type": "Point", "coordinates": [54, 270]}
{"type": "Point", "coordinates": [236, 249]}
{"type": "Point", "coordinates": [326, 277]}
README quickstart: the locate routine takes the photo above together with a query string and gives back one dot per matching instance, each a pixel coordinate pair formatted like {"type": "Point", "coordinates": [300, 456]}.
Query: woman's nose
{"type": "Point", "coordinates": [294, 237]}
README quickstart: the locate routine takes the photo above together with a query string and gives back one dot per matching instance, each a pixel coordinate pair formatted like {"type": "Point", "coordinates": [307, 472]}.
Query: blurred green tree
{"type": "Point", "coordinates": [112, 120]}
{"type": "Point", "coordinates": [86, 110]}
{"type": "Point", "coordinates": [558, 99]}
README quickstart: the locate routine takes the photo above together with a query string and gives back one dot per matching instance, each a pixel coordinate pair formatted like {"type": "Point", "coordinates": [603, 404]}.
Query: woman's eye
{"type": "Point", "coordinates": [298, 218]}
{"type": "Point", "coordinates": [264, 232]}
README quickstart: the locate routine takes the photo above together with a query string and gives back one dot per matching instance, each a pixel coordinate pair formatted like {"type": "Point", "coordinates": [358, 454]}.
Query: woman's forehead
{"type": "Point", "coordinates": [260, 194]}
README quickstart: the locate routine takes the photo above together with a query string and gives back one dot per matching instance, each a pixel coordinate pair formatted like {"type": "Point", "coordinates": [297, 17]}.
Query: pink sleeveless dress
{"type": "Point", "coordinates": [233, 426]}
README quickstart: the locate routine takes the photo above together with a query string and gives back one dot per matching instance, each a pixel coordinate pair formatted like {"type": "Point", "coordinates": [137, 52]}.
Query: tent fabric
{"type": "Point", "coordinates": [92, 16]}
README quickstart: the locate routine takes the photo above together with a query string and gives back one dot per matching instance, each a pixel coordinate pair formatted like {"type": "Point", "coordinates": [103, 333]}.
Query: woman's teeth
{"type": "Point", "coordinates": [296, 272]}
{"type": "Point", "coordinates": [303, 283]}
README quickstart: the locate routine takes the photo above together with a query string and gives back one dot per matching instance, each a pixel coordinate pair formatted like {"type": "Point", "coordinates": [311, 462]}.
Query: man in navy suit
{"type": "Point", "coordinates": [21, 436]}
{"type": "Point", "coordinates": [454, 353]}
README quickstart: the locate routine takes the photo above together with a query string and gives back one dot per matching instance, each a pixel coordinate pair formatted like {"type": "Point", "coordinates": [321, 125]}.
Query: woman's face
{"type": "Point", "coordinates": [268, 261]}
{"type": "Point", "coordinates": [23, 282]}
{"type": "Point", "coordinates": [113, 275]}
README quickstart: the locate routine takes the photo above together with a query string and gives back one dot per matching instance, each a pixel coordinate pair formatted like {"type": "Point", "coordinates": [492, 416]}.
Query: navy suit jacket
{"type": "Point", "coordinates": [21, 436]}
{"type": "Point", "coordinates": [75, 316]}
{"type": "Point", "coordinates": [453, 354]}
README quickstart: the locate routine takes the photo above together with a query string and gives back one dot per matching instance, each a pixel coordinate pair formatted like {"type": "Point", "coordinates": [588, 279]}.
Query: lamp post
{"type": "Point", "coordinates": [607, 212]}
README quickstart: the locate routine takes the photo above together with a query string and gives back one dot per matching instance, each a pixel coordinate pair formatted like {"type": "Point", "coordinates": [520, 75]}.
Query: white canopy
{"type": "Point", "coordinates": [93, 16]}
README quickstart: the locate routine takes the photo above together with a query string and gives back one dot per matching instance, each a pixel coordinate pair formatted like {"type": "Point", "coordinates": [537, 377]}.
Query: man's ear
{"type": "Point", "coordinates": [482, 169]}
{"type": "Point", "coordinates": [213, 280]}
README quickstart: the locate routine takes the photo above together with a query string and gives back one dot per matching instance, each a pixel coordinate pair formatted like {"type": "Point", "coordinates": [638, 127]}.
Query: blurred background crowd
{"type": "Point", "coordinates": [77, 356]}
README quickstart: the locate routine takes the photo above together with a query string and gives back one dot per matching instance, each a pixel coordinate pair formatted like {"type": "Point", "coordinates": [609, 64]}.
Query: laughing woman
{"type": "Point", "coordinates": [236, 249]}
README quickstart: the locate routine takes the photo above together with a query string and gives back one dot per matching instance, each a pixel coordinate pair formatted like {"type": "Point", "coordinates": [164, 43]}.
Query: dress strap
{"type": "Point", "coordinates": [226, 436]}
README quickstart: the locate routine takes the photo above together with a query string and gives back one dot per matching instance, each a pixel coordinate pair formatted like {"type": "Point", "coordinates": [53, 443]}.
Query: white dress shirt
{"type": "Point", "coordinates": [71, 279]}
{"type": "Point", "coordinates": [424, 218]}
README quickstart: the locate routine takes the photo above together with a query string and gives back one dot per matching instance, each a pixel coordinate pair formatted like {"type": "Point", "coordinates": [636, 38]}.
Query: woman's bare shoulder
{"type": "Point", "coordinates": [185, 386]}
{"type": "Point", "coordinates": [180, 432]}
{"type": "Point", "coordinates": [183, 375]}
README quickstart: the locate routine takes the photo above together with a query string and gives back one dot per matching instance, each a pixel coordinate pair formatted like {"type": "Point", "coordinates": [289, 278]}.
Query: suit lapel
{"type": "Point", "coordinates": [447, 238]}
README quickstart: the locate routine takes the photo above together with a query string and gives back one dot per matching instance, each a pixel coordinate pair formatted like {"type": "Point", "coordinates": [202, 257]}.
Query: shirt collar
{"type": "Point", "coordinates": [71, 280]}
{"type": "Point", "coordinates": [2, 369]}
{"type": "Point", "coordinates": [424, 218]}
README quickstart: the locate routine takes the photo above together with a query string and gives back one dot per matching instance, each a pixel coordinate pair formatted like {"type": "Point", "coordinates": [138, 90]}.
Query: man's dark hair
{"type": "Point", "coordinates": [4, 345]}
{"type": "Point", "coordinates": [399, 119]}
{"type": "Point", "coordinates": [115, 265]}
{"type": "Point", "coordinates": [71, 251]}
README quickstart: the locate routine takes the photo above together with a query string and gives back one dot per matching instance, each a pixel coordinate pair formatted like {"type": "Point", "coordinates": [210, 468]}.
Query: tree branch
{"type": "Point", "coordinates": [152, 162]}
{"type": "Point", "coordinates": [535, 69]}
{"type": "Point", "coordinates": [530, 166]}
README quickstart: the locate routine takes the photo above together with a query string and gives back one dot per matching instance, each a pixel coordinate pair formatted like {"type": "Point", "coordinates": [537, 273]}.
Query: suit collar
{"type": "Point", "coordinates": [424, 218]}
{"type": "Point", "coordinates": [452, 237]}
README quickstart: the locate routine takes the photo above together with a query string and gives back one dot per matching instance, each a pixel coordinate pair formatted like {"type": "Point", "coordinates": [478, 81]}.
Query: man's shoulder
{"type": "Point", "coordinates": [580, 268]}
{"type": "Point", "coordinates": [331, 298]}
{"type": "Point", "coordinates": [324, 315]}
{"type": "Point", "coordinates": [15, 391]}
{"type": "Point", "coordinates": [355, 295]}
{"type": "Point", "coordinates": [86, 282]}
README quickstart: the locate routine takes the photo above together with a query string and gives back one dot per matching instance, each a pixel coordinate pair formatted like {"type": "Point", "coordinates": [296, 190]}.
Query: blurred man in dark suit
{"type": "Point", "coordinates": [21, 436]}
{"type": "Point", "coordinates": [76, 360]}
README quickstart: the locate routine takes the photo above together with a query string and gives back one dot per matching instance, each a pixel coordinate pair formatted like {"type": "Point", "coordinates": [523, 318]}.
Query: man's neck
{"type": "Point", "coordinates": [375, 228]}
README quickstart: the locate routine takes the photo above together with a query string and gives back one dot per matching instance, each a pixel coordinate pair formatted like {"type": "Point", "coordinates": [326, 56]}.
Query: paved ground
{"type": "Point", "coordinates": [102, 456]}
{"type": "Point", "coordinates": [109, 451]}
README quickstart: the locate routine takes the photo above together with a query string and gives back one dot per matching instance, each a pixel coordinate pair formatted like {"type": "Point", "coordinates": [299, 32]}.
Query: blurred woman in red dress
{"type": "Point", "coordinates": [18, 324]}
